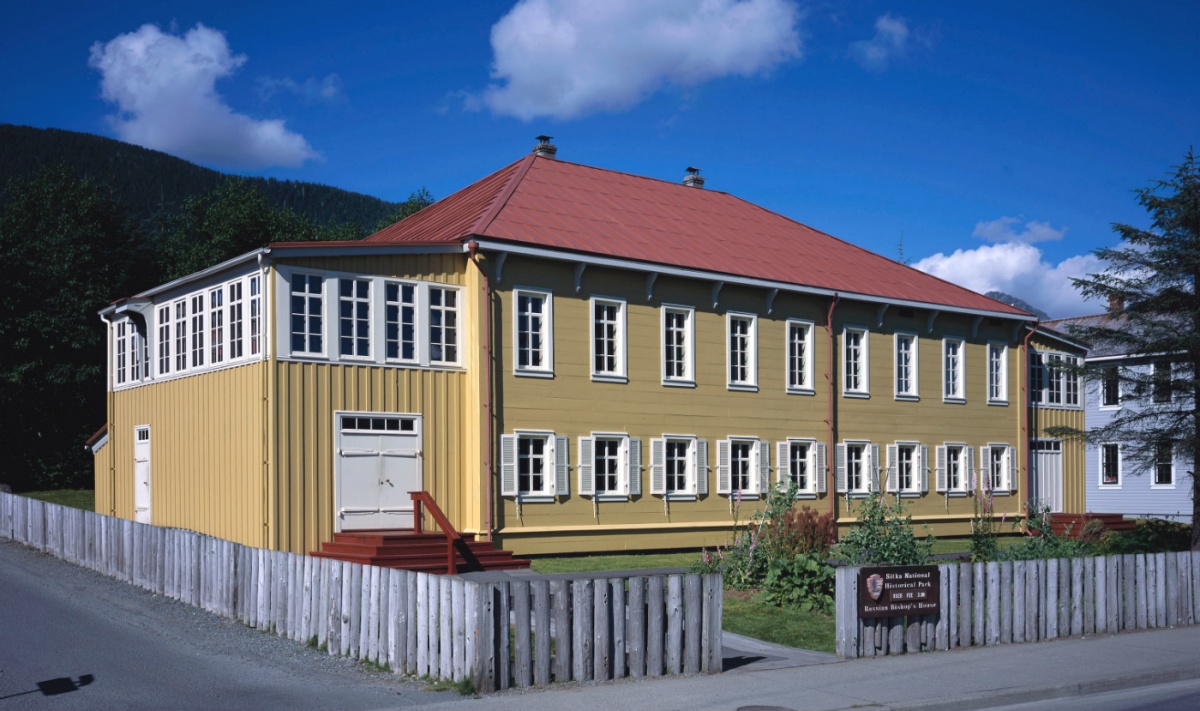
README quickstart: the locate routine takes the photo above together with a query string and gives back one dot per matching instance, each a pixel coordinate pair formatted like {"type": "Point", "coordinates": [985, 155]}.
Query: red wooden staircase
{"type": "Point", "coordinates": [418, 550]}
{"type": "Point", "coordinates": [1063, 524]}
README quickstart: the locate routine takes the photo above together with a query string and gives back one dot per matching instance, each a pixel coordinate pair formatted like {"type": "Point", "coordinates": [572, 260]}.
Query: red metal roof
{"type": "Point", "coordinates": [548, 203]}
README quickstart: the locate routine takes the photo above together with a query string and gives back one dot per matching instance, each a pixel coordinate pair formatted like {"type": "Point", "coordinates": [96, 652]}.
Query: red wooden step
{"type": "Point", "coordinates": [421, 552]}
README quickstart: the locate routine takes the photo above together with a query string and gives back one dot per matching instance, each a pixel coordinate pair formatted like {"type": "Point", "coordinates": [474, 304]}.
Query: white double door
{"type": "Point", "coordinates": [378, 464]}
{"type": "Point", "coordinates": [1048, 473]}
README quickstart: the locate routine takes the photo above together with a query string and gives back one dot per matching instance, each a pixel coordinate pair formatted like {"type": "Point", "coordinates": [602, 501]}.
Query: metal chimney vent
{"type": "Point", "coordinates": [693, 178]}
{"type": "Point", "coordinates": [545, 148]}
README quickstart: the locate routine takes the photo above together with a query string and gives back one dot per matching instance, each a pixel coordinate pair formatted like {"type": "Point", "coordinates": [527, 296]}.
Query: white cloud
{"type": "Point", "coordinates": [1010, 229]}
{"type": "Point", "coordinates": [163, 85]}
{"type": "Point", "coordinates": [1018, 269]}
{"type": "Point", "coordinates": [891, 40]}
{"type": "Point", "coordinates": [313, 90]}
{"type": "Point", "coordinates": [564, 59]}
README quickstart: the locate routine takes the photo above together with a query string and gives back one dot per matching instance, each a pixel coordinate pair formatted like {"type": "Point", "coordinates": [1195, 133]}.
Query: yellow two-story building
{"type": "Point", "coordinates": [570, 359]}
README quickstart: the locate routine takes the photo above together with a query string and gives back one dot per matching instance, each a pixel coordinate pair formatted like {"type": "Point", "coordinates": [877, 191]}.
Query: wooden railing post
{"type": "Point", "coordinates": [422, 500]}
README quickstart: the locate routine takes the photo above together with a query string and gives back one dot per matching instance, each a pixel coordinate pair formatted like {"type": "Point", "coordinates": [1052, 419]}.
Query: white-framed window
{"type": "Point", "coordinates": [997, 374]}
{"type": "Point", "coordinates": [533, 333]}
{"type": "Point", "coordinates": [610, 465]}
{"type": "Point", "coordinates": [801, 462]}
{"type": "Point", "coordinates": [857, 469]}
{"type": "Point", "coordinates": [181, 335]}
{"type": "Point", "coordinates": [1110, 387]}
{"type": "Point", "coordinates": [906, 366]}
{"type": "Point", "coordinates": [400, 321]}
{"type": "Point", "coordinates": [953, 370]}
{"type": "Point", "coordinates": [163, 323]}
{"type": "Point", "coordinates": [954, 464]}
{"type": "Point", "coordinates": [1051, 382]}
{"type": "Point", "coordinates": [443, 325]}
{"type": "Point", "coordinates": [1164, 465]}
{"type": "Point", "coordinates": [354, 317]}
{"type": "Point", "coordinates": [198, 330]}
{"type": "Point", "coordinates": [1110, 465]}
{"type": "Point", "coordinates": [216, 323]}
{"type": "Point", "coordinates": [608, 339]}
{"type": "Point", "coordinates": [855, 362]}
{"type": "Point", "coordinates": [1162, 381]}
{"type": "Point", "coordinates": [307, 314]}
{"type": "Point", "coordinates": [906, 472]}
{"type": "Point", "coordinates": [237, 343]}
{"type": "Point", "coordinates": [533, 465]}
{"type": "Point", "coordinates": [678, 335]}
{"type": "Point", "coordinates": [256, 324]}
{"type": "Point", "coordinates": [799, 356]}
{"type": "Point", "coordinates": [743, 466]}
{"type": "Point", "coordinates": [678, 467]}
{"type": "Point", "coordinates": [998, 463]}
{"type": "Point", "coordinates": [122, 352]}
{"type": "Point", "coordinates": [741, 351]}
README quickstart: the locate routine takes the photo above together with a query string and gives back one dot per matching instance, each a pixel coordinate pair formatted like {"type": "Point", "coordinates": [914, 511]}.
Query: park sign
{"type": "Point", "coordinates": [897, 590]}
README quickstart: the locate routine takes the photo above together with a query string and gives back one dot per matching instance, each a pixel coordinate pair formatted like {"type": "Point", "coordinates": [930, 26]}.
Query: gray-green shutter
{"type": "Point", "coordinates": [508, 465]}
{"type": "Point", "coordinates": [723, 478]}
{"type": "Point", "coordinates": [892, 473]}
{"type": "Point", "coordinates": [635, 466]}
{"type": "Point", "coordinates": [820, 468]}
{"type": "Point", "coordinates": [587, 480]}
{"type": "Point", "coordinates": [923, 467]}
{"type": "Point", "coordinates": [658, 467]}
{"type": "Point", "coordinates": [874, 467]}
{"type": "Point", "coordinates": [702, 467]}
{"type": "Point", "coordinates": [562, 467]}
{"type": "Point", "coordinates": [764, 467]}
{"type": "Point", "coordinates": [839, 458]}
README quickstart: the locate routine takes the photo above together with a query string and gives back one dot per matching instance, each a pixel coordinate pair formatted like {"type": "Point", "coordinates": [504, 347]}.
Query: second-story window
{"type": "Point", "coordinates": [164, 340]}
{"type": "Point", "coordinates": [216, 322]}
{"type": "Point", "coordinates": [997, 373]}
{"type": "Point", "coordinates": [1110, 387]}
{"type": "Point", "coordinates": [255, 315]}
{"type": "Point", "coordinates": [198, 330]}
{"type": "Point", "coordinates": [677, 345]}
{"type": "Point", "coordinates": [400, 317]}
{"type": "Point", "coordinates": [953, 370]}
{"type": "Point", "coordinates": [181, 339]}
{"type": "Point", "coordinates": [1162, 381]}
{"type": "Point", "coordinates": [354, 317]}
{"type": "Point", "coordinates": [443, 325]}
{"type": "Point", "coordinates": [741, 347]}
{"type": "Point", "coordinates": [307, 305]}
{"type": "Point", "coordinates": [906, 366]}
{"type": "Point", "coordinates": [608, 339]}
{"type": "Point", "coordinates": [799, 356]}
{"type": "Point", "coordinates": [236, 336]}
{"type": "Point", "coordinates": [854, 362]}
{"type": "Point", "coordinates": [533, 333]}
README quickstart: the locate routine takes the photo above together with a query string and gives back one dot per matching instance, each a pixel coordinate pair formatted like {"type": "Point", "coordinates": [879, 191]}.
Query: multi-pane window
{"type": "Point", "coordinates": [799, 356]}
{"type": "Point", "coordinates": [1053, 380]}
{"type": "Point", "coordinates": [121, 346]}
{"type": "Point", "coordinates": [236, 340]}
{"type": "Point", "coordinates": [677, 345]}
{"type": "Point", "coordinates": [678, 458]}
{"type": "Point", "coordinates": [255, 316]}
{"type": "Point", "coordinates": [1110, 465]}
{"type": "Point", "coordinates": [1162, 381]}
{"type": "Point", "coordinates": [741, 464]}
{"type": "Point", "coordinates": [608, 339]}
{"type": "Point", "coordinates": [953, 371]}
{"type": "Point", "coordinates": [607, 465]}
{"type": "Point", "coordinates": [905, 468]}
{"type": "Point", "coordinates": [1164, 464]}
{"type": "Point", "coordinates": [533, 332]}
{"type": "Point", "coordinates": [997, 462]}
{"type": "Point", "coordinates": [678, 467]}
{"type": "Point", "coordinates": [307, 305]}
{"type": "Point", "coordinates": [164, 339]}
{"type": "Point", "coordinates": [997, 372]}
{"type": "Point", "coordinates": [953, 468]}
{"type": "Point", "coordinates": [1037, 377]}
{"type": "Point", "coordinates": [181, 338]}
{"type": "Point", "coordinates": [801, 462]}
{"type": "Point", "coordinates": [216, 318]}
{"type": "Point", "coordinates": [906, 365]}
{"type": "Point", "coordinates": [799, 466]}
{"type": "Point", "coordinates": [854, 361]}
{"type": "Point", "coordinates": [198, 330]}
{"type": "Point", "coordinates": [443, 325]}
{"type": "Point", "coordinates": [741, 342]}
{"type": "Point", "coordinates": [400, 316]}
{"type": "Point", "coordinates": [855, 467]}
{"type": "Point", "coordinates": [532, 465]}
{"type": "Point", "coordinates": [1110, 386]}
{"type": "Point", "coordinates": [354, 317]}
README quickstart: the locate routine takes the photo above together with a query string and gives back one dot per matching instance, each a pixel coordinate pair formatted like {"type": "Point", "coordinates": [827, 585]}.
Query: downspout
{"type": "Point", "coordinates": [473, 246]}
{"type": "Point", "coordinates": [1027, 398]}
{"type": "Point", "coordinates": [110, 411]}
{"type": "Point", "coordinates": [266, 438]}
{"type": "Point", "coordinates": [830, 483]}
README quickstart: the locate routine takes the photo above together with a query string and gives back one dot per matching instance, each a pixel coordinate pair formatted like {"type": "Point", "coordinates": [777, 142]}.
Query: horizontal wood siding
{"type": "Point", "coordinates": [206, 452]}
{"type": "Point", "coordinates": [573, 405]}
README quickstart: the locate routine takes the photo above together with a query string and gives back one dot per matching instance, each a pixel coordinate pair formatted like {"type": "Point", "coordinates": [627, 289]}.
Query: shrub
{"type": "Point", "coordinates": [803, 581]}
{"type": "Point", "coordinates": [1042, 542]}
{"type": "Point", "coordinates": [883, 535]}
{"type": "Point", "coordinates": [1150, 535]}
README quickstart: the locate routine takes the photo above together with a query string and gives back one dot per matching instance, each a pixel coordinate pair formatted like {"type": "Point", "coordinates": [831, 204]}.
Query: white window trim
{"type": "Point", "coordinates": [1041, 399]}
{"type": "Point", "coordinates": [546, 369]}
{"type": "Point", "coordinates": [751, 382]}
{"type": "Point", "coordinates": [870, 476]}
{"type": "Point", "coordinates": [920, 484]}
{"type": "Point", "coordinates": [759, 466]}
{"type": "Point", "coordinates": [372, 311]}
{"type": "Point", "coordinates": [816, 472]}
{"type": "Point", "coordinates": [629, 466]}
{"type": "Point", "coordinates": [621, 374]}
{"type": "Point", "coordinates": [1100, 389]}
{"type": "Point", "coordinates": [689, 346]}
{"type": "Point", "coordinates": [1100, 460]}
{"type": "Point", "coordinates": [1003, 399]}
{"type": "Point", "coordinates": [960, 394]}
{"type": "Point", "coordinates": [1154, 485]}
{"type": "Point", "coordinates": [327, 311]}
{"type": "Point", "coordinates": [420, 316]}
{"type": "Point", "coordinates": [806, 386]}
{"type": "Point", "coordinates": [864, 389]}
{"type": "Point", "coordinates": [914, 393]}
{"type": "Point", "coordinates": [965, 464]}
{"type": "Point", "coordinates": [552, 458]}
{"type": "Point", "coordinates": [1009, 466]}
{"type": "Point", "coordinates": [425, 307]}
{"type": "Point", "coordinates": [696, 477]}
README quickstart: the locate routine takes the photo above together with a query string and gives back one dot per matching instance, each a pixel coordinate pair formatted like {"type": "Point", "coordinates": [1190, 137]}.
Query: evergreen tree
{"type": "Point", "coordinates": [1154, 315]}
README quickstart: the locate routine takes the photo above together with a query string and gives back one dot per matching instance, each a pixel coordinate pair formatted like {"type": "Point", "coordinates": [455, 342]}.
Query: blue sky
{"type": "Point", "coordinates": [997, 141]}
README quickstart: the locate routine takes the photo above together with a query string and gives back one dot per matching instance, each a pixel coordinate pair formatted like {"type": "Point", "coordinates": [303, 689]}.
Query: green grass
{"type": "Point", "coordinates": [75, 498]}
{"type": "Point", "coordinates": [628, 561]}
{"type": "Point", "coordinates": [792, 628]}
{"type": "Point", "coordinates": [963, 545]}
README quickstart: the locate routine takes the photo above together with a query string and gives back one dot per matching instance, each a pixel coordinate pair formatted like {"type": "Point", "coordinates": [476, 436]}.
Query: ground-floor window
{"type": "Point", "coordinates": [533, 465]}
{"type": "Point", "coordinates": [610, 465]}
{"type": "Point", "coordinates": [678, 466]}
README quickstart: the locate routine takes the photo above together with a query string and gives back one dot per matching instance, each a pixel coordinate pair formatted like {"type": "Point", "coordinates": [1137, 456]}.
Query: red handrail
{"type": "Point", "coordinates": [421, 500]}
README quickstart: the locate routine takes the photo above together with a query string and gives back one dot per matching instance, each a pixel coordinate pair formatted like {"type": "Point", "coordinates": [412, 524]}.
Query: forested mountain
{"type": "Point", "coordinates": [1018, 303]}
{"type": "Point", "coordinates": [151, 183]}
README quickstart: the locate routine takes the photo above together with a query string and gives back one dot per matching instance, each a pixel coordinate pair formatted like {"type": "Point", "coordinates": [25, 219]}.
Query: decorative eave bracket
{"type": "Point", "coordinates": [932, 317]}
{"type": "Point", "coordinates": [579, 269]}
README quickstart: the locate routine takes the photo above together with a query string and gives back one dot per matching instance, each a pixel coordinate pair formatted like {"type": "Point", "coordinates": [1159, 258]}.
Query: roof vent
{"type": "Point", "coordinates": [693, 179]}
{"type": "Point", "coordinates": [545, 148]}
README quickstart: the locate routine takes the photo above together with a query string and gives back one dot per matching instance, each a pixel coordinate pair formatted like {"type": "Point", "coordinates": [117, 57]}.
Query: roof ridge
{"type": "Point", "coordinates": [503, 196]}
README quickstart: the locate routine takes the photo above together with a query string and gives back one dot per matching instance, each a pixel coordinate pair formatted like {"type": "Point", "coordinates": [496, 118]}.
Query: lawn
{"type": "Point", "coordinates": [75, 498]}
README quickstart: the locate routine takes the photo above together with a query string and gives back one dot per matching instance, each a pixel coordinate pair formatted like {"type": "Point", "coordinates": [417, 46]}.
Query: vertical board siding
{"type": "Point", "coordinates": [1016, 602]}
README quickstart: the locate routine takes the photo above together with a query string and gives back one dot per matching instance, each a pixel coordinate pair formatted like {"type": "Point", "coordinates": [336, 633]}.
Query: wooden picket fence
{"type": "Point", "coordinates": [496, 635]}
{"type": "Point", "coordinates": [1015, 602]}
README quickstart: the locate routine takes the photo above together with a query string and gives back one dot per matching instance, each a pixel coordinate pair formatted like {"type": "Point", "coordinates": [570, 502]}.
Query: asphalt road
{"type": "Point", "coordinates": [1178, 696]}
{"type": "Point", "coordinates": [73, 639]}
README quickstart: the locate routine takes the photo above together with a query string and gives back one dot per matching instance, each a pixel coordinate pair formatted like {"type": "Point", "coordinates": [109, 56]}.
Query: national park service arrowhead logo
{"type": "Point", "coordinates": [875, 586]}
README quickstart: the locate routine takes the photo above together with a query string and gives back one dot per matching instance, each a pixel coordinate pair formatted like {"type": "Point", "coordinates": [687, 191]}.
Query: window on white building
{"type": "Point", "coordinates": [1110, 464]}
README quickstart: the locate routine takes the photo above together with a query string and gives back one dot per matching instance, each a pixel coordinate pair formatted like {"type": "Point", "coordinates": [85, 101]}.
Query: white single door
{"type": "Point", "coordinates": [1048, 474]}
{"type": "Point", "coordinates": [379, 463]}
{"type": "Point", "coordinates": [141, 474]}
